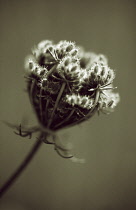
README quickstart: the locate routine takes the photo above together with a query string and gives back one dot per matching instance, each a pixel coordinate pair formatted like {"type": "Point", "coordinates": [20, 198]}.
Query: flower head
{"type": "Point", "coordinates": [63, 78]}
{"type": "Point", "coordinates": [67, 85]}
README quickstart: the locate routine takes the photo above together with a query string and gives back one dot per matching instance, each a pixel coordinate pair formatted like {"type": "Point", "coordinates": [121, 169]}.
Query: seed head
{"type": "Point", "coordinates": [67, 85]}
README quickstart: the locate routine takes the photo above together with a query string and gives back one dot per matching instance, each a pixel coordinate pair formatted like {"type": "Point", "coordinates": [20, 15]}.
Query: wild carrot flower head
{"type": "Point", "coordinates": [67, 85]}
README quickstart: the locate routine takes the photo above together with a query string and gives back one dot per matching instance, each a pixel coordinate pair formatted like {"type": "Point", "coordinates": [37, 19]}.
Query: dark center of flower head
{"type": "Point", "coordinates": [66, 85]}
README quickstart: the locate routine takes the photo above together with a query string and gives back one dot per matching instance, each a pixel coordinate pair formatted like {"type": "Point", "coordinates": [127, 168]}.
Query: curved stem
{"type": "Point", "coordinates": [21, 168]}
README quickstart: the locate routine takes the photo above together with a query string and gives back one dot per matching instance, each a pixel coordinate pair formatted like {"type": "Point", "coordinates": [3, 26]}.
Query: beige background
{"type": "Point", "coordinates": [107, 180]}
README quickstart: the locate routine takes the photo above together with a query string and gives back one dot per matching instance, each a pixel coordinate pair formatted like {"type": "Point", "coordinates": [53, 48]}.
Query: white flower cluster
{"type": "Point", "coordinates": [66, 86]}
{"type": "Point", "coordinates": [69, 78]}
{"type": "Point", "coordinates": [84, 102]}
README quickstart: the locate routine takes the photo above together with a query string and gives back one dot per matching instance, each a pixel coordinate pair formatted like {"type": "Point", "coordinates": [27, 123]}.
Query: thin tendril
{"type": "Point", "coordinates": [67, 157]}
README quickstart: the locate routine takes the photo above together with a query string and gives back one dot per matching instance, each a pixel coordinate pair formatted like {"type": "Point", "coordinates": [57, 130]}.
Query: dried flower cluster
{"type": "Point", "coordinates": [68, 85]}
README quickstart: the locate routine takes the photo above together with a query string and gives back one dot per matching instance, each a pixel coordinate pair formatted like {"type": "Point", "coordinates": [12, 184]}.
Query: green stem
{"type": "Point", "coordinates": [21, 168]}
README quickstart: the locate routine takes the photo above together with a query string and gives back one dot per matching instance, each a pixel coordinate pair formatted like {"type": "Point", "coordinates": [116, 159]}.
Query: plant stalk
{"type": "Point", "coordinates": [21, 168]}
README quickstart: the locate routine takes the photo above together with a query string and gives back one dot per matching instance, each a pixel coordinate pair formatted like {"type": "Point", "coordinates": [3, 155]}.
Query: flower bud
{"type": "Point", "coordinates": [64, 48]}
{"type": "Point", "coordinates": [103, 74]}
{"type": "Point", "coordinates": [69, 69]}
{"type": "Point", "coordinates": [81, 101]}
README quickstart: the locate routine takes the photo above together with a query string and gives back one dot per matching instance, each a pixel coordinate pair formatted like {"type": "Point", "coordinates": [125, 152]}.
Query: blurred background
{"type": "Point", "coordinates": [107, 180]}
